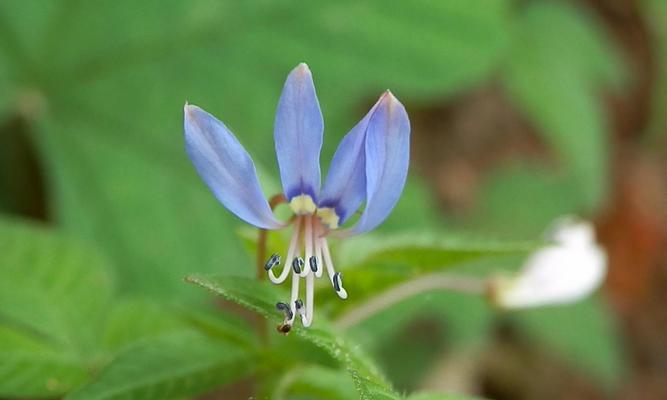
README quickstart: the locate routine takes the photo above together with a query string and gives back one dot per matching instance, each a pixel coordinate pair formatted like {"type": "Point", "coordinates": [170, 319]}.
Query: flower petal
{"type": "Point", "coordinates": [227, 169]}
{"type": "Point", "coordinates": [345, 187]}
{"type": "Point", "coordinates": [298, 135]}
{"type": "Point", "coordinates": [387, 153]}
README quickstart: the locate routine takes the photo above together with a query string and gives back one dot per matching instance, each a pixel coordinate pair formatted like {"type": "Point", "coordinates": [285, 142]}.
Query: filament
{"type": "Point", "coordinates": [342, 293]}
{"type": "Point", "coordinates": [292, 249]}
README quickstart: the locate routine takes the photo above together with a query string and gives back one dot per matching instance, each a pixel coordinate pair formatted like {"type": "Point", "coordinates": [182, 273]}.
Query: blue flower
{"type": "Point", "coordinates": [370, 166]}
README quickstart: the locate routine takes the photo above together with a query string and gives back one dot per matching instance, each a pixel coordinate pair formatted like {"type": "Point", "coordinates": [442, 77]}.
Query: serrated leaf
{"type": "Point", "coordinates": [182, 364]}
{"type": "Point", "coordinates": [425, 252]}
{"type": "Point", "coordinates": [54, 295]}
{"type": "Point", "coordinates": [314, 380]}
{"type": "Point", "coordinates": [372, 263]}
{"type": "Point", "coordinates": [261, 298]}
{"type": "Point", "coordinates": [582, 334]}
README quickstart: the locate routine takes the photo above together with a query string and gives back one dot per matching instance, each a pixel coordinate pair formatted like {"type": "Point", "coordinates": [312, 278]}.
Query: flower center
{"type": "Point", "coordinates": [302, 204]}
{"type": "Point", "coordinates": [307, 256]}
{"type": "Point", "coordinates": [328, 217]}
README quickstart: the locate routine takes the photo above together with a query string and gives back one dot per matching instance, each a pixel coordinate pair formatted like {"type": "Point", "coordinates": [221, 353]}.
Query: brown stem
{"type": "Point", "coordinates": [263, 236]}
{"type": "Point", "coordinates": [261, 259]}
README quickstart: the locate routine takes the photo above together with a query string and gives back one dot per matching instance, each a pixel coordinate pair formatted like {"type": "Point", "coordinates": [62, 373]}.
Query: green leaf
{"type": "Point", "coordinates": [425, 252]}
{"type": "Point", "coordinates": [173, 366]}
{"type": "Point", "coordinates": [582, 333]}
{"type": "Point", "coordinates": [54, 295]}
{"type": "Point", "coordinates": [560, 59]}
{"type": "Point", "coordinates": [115, 74]}
{"type": "Point", "coordinates": [371, 263]}
{"type": "Point", "coordinates": [407, 337]}
{"type": "Point", "coordinates": [655, 12]}
{"type": "Point", "coordinates": [132, 320]}
{"type": "Point", "coordinates": [52, 285]}
{"type": "Point", "coordinates": [32, 367]}
{"type": "Point", "coordinates": [551, 196]}
{"type": "Point", "coordinates": [432, 396]}
{"type": "Point", "coordinates": [225, 326]}
{"type": "Point", "coordinates": [261, 298]}
{"type": "Point", "coordinates": [6, 90]}
{"type": "Point", "coordinates": [315, 381]}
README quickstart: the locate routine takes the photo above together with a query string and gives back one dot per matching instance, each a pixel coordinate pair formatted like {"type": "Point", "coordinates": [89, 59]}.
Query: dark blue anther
{"type": "Point", "coordinates": [313, 263]}
{"type": "Point", "coordinates": [285, 309]}
{"type": "Point", "coordinates": [297, 264]}
{"type": "Point", "coordinates": [337, 281]}
{"type": "Point", "coordinates": [272, 261]}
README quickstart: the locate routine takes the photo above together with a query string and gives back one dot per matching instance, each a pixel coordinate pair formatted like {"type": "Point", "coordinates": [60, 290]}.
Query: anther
{"type": "Point", "coordinates": [301, 310]}
{"type": "Point", "coordinates": [313, 263]}
{"type": "Point", "coordinates": [297, 264]}
{"type": "Point", "coordinates": [272, 261]}
{"type": "Point", "coordinates": [337, 281]}
{"type": "Point", "coordinates": [285, 308]}
{"type": "Point", "coordinates": [284, 328]}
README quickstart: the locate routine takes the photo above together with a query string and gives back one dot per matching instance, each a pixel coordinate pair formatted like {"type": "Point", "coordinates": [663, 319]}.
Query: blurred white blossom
{"type": "Point", "coordinates": [568, 270]}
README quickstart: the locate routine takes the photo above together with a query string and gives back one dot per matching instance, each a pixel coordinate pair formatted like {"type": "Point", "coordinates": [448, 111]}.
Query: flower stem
{"type": "Point", "coordinates": [261, 259]}
{"type": "Point", "coordinates": [409, 289]}
{"type": "Point", "coordinates": [263, 236]}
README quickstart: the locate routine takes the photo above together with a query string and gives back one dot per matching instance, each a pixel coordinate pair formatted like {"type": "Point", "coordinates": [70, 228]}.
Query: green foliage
{"type": "Point", "coordinates": [582, 333]}
{"type": "Point", "coordinates": [428, 396]}
{"type": "Point", "coordinates": [114, 76]}
{"type": "Point", "coordinates": [59, 326]}
{"type": "Point", "coordinates": [261, 298]}
{"type": "Point", "coordinates": [172, 366]}
{"type": "Point", "coordinates": [98, 306]}
{"type": "Point", "coordinates": [132, 320]}
{"type": "Point", "coordinates": [424, 252]}
{"type": "Point", "coordinates": [655, 11]}
{"type": "Point", "coordinates": [372, 263]}
{"type": "Point", "coordinates": [54, 294]}
{"type": "Point", "coordinates": [31, 366]}
{"type": "Point", "coordinates": [314, 380]}
{"type": "Point", "coordinates": [558, 63]}
{"type": "Point", "coordinates": [520, 201]}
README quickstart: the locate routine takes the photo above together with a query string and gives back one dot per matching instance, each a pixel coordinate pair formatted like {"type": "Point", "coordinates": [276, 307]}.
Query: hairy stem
{"type": "Point", "coordinates": [407, 290]}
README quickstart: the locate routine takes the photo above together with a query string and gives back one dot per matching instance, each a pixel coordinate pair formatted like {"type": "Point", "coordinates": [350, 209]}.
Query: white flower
{"type": "Point", "coordinates": [565, 272]}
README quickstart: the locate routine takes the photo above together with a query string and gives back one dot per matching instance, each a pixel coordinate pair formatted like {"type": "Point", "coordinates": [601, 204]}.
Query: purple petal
{"type": "Point", "coordinates": [226, 168]}
{"type": "Point", "coordinates": [387, 149]}
{"type": "Point", "coordinates": [345, 187]}
{"type": "Point", "coordinates": [298, 135]}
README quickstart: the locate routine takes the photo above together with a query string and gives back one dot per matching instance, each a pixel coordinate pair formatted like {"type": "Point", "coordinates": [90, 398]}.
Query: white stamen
{"type": "Point", "coordinates": [294, 297]}
{"type": "Point", "coordinates": [301, 310]}
{"type": "Point", "coordinates": [287, 266]}
{"type": "Point", "coordinates": [318, 250]}
{"type": "Point", "coordinates": [310, 300]}
{"type": "Point", "coordinates": [308, 243]}
{"type": "Point", "coordinates": [342, 293]}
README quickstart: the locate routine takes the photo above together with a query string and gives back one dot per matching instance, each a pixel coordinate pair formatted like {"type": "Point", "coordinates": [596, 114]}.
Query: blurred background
{"type": "Point", "coordinates": [522, 111]}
